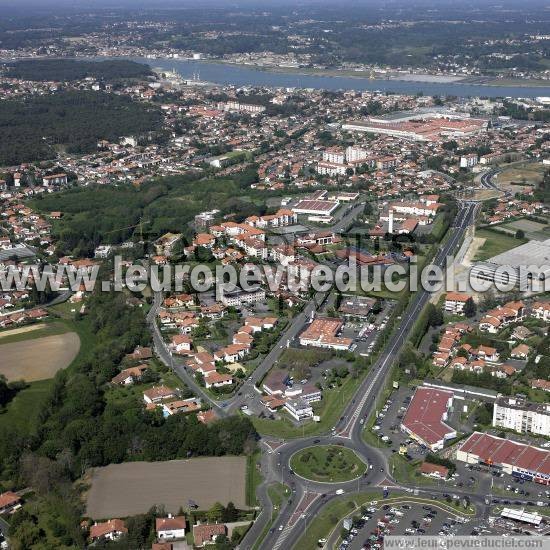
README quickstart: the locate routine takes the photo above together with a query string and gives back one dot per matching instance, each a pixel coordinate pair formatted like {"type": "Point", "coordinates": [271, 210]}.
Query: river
{"type": "Point", "coordinates": [239, 75]}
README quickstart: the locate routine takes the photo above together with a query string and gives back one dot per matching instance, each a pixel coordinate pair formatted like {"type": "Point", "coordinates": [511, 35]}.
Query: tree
{"type": "Point", "coordinates": [435, 316]}
{"type": "Point", "coordinates": [26, 536]}
{"type": "Point", "coordinates": [216, 512]}
{"type": "Point", "coordinates": [223, 543]}
{"type": "Point", "coordinates": [470, 308]}
{"type": "Point", "coordinates": [230, 513]}
{"type": "Point", "coordinates": [520, 234]}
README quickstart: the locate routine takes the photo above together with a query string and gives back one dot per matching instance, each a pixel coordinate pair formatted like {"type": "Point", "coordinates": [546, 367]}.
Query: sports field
{"type": "Point", "coordinates": [121, 490]}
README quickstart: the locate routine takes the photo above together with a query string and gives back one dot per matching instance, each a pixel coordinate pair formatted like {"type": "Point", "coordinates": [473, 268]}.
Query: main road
{"type": "Point", "coordinates": [308, 497]}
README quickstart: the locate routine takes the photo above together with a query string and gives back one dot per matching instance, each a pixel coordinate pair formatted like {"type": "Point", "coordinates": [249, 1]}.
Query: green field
{"type": "Point", "coordinates": [22, 412]}
{"type": "Point", "coordinates": [495, 243]}
{"type": "Point", "coordinates": [253, 478]}
{"type": "Point", "coordinates": [278, 492]}
{"type": "Point", "coordinates": [407, 472]}
{"type": "Point", "coordinates": [329, 463]}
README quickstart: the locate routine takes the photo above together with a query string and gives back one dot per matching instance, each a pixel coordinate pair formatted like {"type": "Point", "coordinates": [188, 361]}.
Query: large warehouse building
{"type": "Point", "coordinates": [420, 125]}
{"type": "Point", "coordinates": [519, 266]}
{"type": "Point", "coordinates": [315, 207]}
{"type": "Point", "coordinates": [425, 418]}
{"type": "Point", "coordinates": [519, 460]}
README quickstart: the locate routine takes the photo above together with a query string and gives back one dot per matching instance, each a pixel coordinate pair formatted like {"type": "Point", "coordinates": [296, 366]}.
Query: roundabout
{"type": "Point", "coordinates": [327, 464]}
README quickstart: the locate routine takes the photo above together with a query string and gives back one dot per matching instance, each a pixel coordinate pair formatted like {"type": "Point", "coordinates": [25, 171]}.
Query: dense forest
{"type": "Point", "coordinates": [97, 215]}
{"type": "Point", "coordinates": [33, 128]}
{"type": "Point", "coordinates": [70, 69]}
{"type": "Point", "coordinates": [80, 427]}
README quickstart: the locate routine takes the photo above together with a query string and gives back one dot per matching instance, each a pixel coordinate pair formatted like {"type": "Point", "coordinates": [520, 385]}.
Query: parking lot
{"type": "Point", "coordinates": [404, 519]}
{"type": "Point", "coordinates": [365, 332]}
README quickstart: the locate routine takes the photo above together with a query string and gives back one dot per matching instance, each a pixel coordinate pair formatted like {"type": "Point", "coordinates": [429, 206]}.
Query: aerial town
{"type": "Point", "coordinates": [149, 403]}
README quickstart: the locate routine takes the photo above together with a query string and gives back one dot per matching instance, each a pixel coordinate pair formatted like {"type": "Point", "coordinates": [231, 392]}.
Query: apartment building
{"type": "Point", "coordinates": [455, 302]}
{"type": "Point", "coordinates": [522, 416]}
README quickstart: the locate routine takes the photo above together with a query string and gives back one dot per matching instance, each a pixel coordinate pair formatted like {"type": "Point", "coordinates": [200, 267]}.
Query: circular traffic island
{"type": "Point", "coordinates": [327, 463]}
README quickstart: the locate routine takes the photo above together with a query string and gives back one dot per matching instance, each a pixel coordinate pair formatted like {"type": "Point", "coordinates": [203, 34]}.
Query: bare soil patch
{"type": "Point", "coordinates": [39, 358]}
{"type": "Point", "coordinates": [121, 490]}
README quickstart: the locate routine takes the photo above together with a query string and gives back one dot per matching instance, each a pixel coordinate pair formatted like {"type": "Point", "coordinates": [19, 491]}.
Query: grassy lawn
{"type": "Point", "coordinates": [330, 463]}
{"type": "Point", "coordinates": [253, 478]}
{"type": "Point", "coordinates": [65, 309]}
{"type": "Point", "coordinates": [47, 328]}
{"type": "Point", "coordinates": [278, 492]}
{"type": "Point", "coordinates": [495, 243]}
{"type": "Point", "coordinates": [329, 410]}
{"type": "Point", "coordinates": [22, 412]}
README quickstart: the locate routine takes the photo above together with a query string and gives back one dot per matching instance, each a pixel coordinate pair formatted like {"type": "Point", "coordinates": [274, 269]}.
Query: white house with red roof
{"type": "Point", "coordinates": [109, 530]}
{"type": "Point", "coordinates": [170, 528]}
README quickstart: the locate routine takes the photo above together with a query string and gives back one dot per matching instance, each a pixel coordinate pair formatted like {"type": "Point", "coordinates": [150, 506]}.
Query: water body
{"type": "Point", "coordinates": [239, 75]}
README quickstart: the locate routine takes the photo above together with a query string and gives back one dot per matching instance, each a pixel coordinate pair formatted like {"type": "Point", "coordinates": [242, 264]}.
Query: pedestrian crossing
{"type": "Point", "coordinates": [282, 537]}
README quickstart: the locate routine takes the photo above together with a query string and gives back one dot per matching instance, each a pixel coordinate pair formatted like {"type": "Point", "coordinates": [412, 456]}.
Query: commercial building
{"type": "Point", "coordinates": [356, 306]}
{"type": "Point", "coordinates": [521, 516]}
{"type": "Point", "coordinates": [522, 416]}
{"type": "Point", "coordinates": [299, 409]}
{"type": "Point", "coordinates": [519, 460]}
{"type": "Point", "coordinates": [235, 106]}
{"type": "Point", "coordinates": [322, 333]}
{"type": "Point", "coordinates": [519, 266]}
{"type": "Point", "coordinates": [425, 418]}
{"type": "Point", "coordinates": [427, 126]}
{"type": "Point", "coordinates": [315, 207]}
